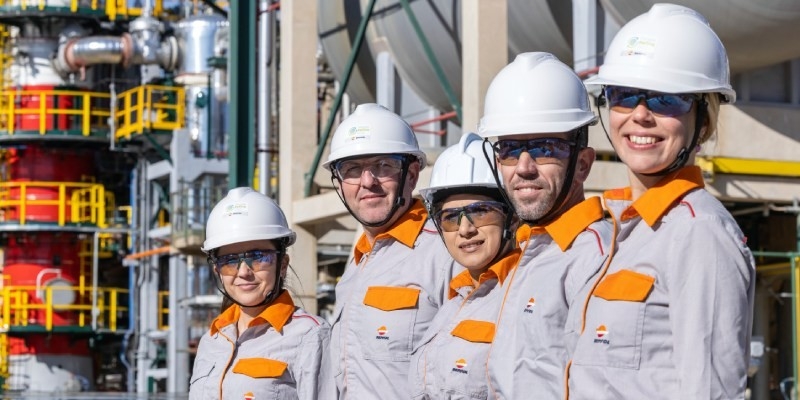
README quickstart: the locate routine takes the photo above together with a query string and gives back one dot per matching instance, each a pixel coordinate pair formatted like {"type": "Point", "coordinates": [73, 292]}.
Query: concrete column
{"type": "Point", "coordinates": [584, 32]}
{"type": "Point", "coordinates": [298, 135]}
{"type": "Point", "coordinates": [178, 337]}
{"type": "Point", "coordinates": [484, 40]}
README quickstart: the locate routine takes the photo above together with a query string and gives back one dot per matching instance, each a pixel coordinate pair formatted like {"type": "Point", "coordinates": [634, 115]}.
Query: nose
{"type": "Point", "coordinates": [245, 271]}
{"type": "Point", "coordinates": [526, 165]}
{"type": "Point", "coordinates": [465, 226]}
{"type": "Point", "coordinates": [368, 177]}
{"type": "Point", "coordinates": [641, 112]}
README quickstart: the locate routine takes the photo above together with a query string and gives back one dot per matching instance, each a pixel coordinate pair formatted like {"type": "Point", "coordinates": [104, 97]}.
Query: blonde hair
{"type": "Point", "coordinates": [712, 116]}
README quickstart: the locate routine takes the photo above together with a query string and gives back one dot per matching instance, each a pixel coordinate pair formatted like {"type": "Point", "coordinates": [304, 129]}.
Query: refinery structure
{"type": "Point", "coordinates": [123, 122]}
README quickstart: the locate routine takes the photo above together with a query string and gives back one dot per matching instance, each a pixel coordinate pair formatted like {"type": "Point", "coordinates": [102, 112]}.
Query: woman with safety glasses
{"type": "Point", "coordinates": [477, 228]}
{"type": "Point", "coordinates": [670, 317]}
{"type": "Point", "coordinates": [263, 346]}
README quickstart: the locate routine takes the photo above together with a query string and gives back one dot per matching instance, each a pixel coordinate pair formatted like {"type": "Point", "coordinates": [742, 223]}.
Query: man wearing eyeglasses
{"type": "Point", "coordinates": [537, 113]}
{"type": "Point", "coordinates": [398, 277]}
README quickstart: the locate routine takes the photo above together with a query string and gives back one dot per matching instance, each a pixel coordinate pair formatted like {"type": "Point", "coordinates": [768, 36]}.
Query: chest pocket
{"type": "Point", "coordinates": [615, 320]}
{"type": "Point", "coordinates": [258, 378]}
{"type": "Point", "coordinates": [388, 321]}
{"type": "Point", "coordinates": [457, 362]}
{"type": "Point", "coordinates": [260, 367]}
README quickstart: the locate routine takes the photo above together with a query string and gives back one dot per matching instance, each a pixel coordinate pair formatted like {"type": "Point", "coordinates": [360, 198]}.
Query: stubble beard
{"type": "Point", "coordinates": [532, 211]}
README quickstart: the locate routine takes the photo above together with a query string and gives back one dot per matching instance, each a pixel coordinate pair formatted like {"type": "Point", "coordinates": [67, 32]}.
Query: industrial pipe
{"type": "Point", "coordinates": [142, 46]}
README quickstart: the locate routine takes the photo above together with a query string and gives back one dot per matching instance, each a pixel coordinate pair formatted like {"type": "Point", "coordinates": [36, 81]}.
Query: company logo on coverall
{"type": "Point", "coordinates": [461, 366]}
{"type": "Point", "coordinates": [382, 331]}
{"type": "Point", "coordinates": [249, 396]}
{"type": "Point", "coordinates": [529, 307]}
{"type": "Point", "coordinates": [602, 335]}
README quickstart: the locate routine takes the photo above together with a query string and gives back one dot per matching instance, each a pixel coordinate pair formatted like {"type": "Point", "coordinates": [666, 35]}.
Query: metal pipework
{"type": "Point", "coordinates": [142, 46]}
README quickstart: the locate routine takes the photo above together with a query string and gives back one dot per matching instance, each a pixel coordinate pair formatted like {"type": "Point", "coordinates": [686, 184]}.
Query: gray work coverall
{"type": "Point", "coordinates": [282, 355]}
{"type": "Point", "coordinates": [671, 317]}
{"type": "Point", "coordinates": [528, 359]}
{"type": "Point", "coordinates": [385, 301]}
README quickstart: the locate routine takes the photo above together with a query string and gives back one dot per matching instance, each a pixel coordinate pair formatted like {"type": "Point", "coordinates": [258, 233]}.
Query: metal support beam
{"type": "Point", "coordinates": [241, 128]}
{"type": "Point", "coordinates": [337, 101]}
{"type": "Point", "coordinates": [451, 95]}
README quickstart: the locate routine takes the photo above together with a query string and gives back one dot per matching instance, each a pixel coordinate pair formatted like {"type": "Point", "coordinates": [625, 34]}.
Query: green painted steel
{"type": "Point", "coordinates": [337, 101]}
{"type": "Point", "coordinates": [242, 116]}
{"type": "Point", "coordinates": [451, 95]}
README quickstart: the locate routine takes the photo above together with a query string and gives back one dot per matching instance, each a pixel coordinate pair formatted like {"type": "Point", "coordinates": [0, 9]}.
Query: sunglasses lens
{"type": "Point", "coordinates": [542, 151]}
{"type": "Point", "coordinates": [479, 214]}
{"type": "Point", "coordinates": [624, 100]}
{"type": "Point", "coordinates": [256, 260]}
{"type": "Point", "coordinates": [382, 168]}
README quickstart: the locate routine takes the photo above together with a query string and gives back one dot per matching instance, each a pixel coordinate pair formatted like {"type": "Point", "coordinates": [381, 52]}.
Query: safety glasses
{"type": "Point", "coordinates": [256, 260]}
{"type": "Point", "coordinates": [382, 168]}
{"type": "Point", "coordinates": [479, 214]}
{"type": "Point", "coordinates": [542, 150]}
{"type": "Point", "coordinates": [624, 100]}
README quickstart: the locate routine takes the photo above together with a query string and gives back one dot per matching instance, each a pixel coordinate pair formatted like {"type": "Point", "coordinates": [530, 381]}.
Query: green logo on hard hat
{"type": "Point", "coordinates": [358, 133]}
{"type": "Point", "coordinates": [236, 209]}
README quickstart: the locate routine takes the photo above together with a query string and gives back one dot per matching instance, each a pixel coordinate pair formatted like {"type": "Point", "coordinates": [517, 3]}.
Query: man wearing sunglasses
{"type": "Point", "coordinates": [537, 113]}
{"type": "Point", "coordinates": [398, 277]}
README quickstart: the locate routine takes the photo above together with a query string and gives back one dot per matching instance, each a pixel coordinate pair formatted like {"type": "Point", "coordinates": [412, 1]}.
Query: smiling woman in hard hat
{"type": "Point", "coordinates": [477, 226]}
{"type": "Point", "coordinates": [262, 346]}
{"type": "Point", "coordinates": [670, 317]}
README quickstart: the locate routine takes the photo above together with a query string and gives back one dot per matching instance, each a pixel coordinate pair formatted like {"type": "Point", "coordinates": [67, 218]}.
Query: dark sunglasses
{"type": "Point", "coordinates": [624, 100]}
{"type": "Point", "coordinates": [542, 150]}
{"type": "Point", "coordinates": [256, 260]}
{"type": "Point", "coordinates": [480, 213]}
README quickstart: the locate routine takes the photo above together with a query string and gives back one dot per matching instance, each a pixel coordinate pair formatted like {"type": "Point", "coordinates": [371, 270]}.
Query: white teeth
{"type": "Point", "coordinates": [642, 139]}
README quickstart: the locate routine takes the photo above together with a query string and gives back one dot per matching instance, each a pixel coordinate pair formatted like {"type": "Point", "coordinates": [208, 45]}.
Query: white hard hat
{"type": "Point", "coordinates": [669, 49]}
{"type": "Point", "coordinates": [536, 93]}
{"type": "Point", "coordinates": [372, 129]}
{"type": "Point", "coordinates": [462, 165]}
{"type": "Point", "coordinates": [245, 215]}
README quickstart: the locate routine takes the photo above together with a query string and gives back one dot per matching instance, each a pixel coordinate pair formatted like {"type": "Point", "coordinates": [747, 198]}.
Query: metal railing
{"type": "Point", "coordinates": [112, 8]}
{"type": "Point", "coordinates": [23, 308]}
{"type": "Point", "coordinates": [63, 203]}
{"type": "Point", "coordinates": [148, 108]}
{"type": "Point", "coordinates": [54, 109]}
{"type": "Point", "coordinates": [42, 111]}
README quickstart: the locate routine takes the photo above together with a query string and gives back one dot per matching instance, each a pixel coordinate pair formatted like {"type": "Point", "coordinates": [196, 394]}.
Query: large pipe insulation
{"type": "Point", "coordinates": [142, 46]}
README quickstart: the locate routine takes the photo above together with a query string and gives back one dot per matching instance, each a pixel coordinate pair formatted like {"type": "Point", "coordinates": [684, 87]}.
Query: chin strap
{"type": "Point", "coordinates": [559, 204]}
{"type": "Point", "coordinates": [683, 155]}
{"type": "Point", "coordinates": [277, 288]}
{"type": "Point", "coordinates": [400, 201]}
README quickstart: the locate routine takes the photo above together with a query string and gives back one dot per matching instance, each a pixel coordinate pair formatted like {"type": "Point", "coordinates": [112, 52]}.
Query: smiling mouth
{"type": "Point", "coordinates": [471, 246]}
{"type": "Point", "coordinates": [643, 139]}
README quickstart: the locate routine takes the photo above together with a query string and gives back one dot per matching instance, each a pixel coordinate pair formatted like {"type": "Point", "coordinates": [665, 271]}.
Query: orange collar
{"type": "Point", "coordinates": [498, 270]}
{"type": "Point", "coordinates": [657, 200]}
{"type": "Point", "coordinates": [276, 314]}
{"type": "Point", "coordinates": [405, 230]}
{"type": "Point", "coordinates": [568, 225]}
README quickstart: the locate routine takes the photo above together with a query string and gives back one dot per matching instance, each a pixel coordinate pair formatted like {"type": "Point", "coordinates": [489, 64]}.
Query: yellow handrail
{"type": "Point", "coordinates": [74, 202]}
{"type": "Point", "coordinates": [163, 311]}
{"type": "Point", "coordinates": [147, 108]}
{"type": "Point", "coordinates": [19, 305]}
{"type": "Point", "coordinates": [112, 8]}
{"type": "Point", "coordinates": [86, 112]}
{"type": "Point", "coordinates": [3, 360]}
